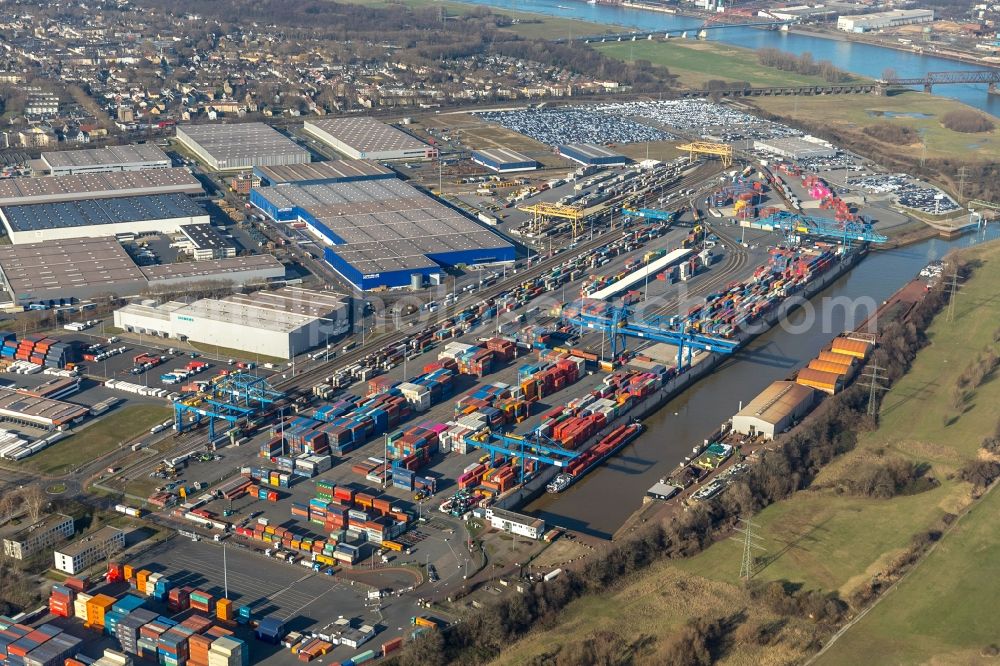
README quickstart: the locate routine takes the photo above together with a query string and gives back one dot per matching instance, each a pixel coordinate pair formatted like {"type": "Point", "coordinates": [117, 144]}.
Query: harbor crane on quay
{"type": "Point", "coordinates": [534, 446]}
{"type": "Point", "coordinates": [792, 224]}
{"type": "Point", "coordinates": [234, 398]}
{"type": "Point", "coordinates": [619, 322]}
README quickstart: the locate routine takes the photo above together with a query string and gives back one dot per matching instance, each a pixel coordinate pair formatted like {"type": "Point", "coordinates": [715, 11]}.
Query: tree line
{"type": "Point", "coordinates": [802, 64]}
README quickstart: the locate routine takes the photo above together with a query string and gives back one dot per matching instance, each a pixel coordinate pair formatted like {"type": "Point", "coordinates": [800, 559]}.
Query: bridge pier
{"type": "Point", "coordinates": [703, 34]}
{"type": "Point", "coordinates": [992, 89]}
{"type": "Point", "coordinates": [928, 88]}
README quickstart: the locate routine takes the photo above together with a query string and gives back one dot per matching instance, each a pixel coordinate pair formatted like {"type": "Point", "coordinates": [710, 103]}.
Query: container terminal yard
{"type": "Point", "coordinates": [335, 505]}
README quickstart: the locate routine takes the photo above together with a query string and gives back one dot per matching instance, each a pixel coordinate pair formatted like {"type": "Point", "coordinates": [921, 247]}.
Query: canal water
{"type": "Point", "coordinates": [601, 502]}
{"type": "Point", "coordinates": [862, 59]}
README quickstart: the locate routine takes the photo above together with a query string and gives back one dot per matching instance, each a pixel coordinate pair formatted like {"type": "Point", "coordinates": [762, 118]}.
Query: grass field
{"type": "Point", "coordinates": [96, 439]}
{"type": "Point", "coordinates": [832, 542]}
{"type": "Point", "coordinates": [529, 25]}
{"type": "Point", "coordinates": [835, 542]}
{"type": "Point", "coordinates": [647, 608]}
{"type": "Point", "coordinates": [696, 62]}
{"type": "Point", "coordinates": [920, 111]}
{"type": "Point", "coordinates": [944, 612]}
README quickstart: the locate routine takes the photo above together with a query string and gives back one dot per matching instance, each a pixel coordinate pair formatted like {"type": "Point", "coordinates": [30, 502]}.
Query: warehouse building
{"type": "Point", "coordinates": [204, 242]}
{"type": "Point", "coordinates": [368, 139]}
{"type": "Point", "coordinates": [590, 154]}
{"type": "Point", "coordinates": [774, 410]}
{"type": "Point", "coordinates": [320, 173]}
{"type": "Point", "coordinates": [279, 323]}
{"type": "Point", "coordinates": [100, 160]}
{"type": "Point", "coordinates": [63, 273]}
{"type": "Point", "coordinates": [85, 268]}
{"type": "Point", "coordinates": [383, 233]}
{"type": "Point", "coordinates": [113, 184]}
{"type": "Point", "coordinates": [882, 20]}
{"type": "Point", "coordinates": [39, 412]}
{"type": "Point", "coordinates": [502, 160]}
{"type": "Point", "coordinates": [240, 146]}
{"type": "Point", "coordinates": [48, 531]}
{"type": "Point", "coordinates": [795, 147]}
{"type": "Point", "coordinates": [90, 549]}
{"type": "Point", "coordinates": [238, 270]}
{"type": "Point", "coordinates": [158, 213]}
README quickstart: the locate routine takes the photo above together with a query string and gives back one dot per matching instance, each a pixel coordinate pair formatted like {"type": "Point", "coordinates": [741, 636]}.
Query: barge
{"type": "Point", "coordinates": [608, 446]}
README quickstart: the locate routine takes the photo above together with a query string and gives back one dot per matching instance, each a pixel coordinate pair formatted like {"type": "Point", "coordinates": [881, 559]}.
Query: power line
{"type": "Point", "coordinates": [751, 542]}
{"type": "Point", "coordinates": [953, 284]}
{"type": "Point", "coordinates": [874, 374]}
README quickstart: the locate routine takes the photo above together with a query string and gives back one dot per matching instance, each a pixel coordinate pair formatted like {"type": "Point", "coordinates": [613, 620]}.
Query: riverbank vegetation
{"type": "Point", "coordinates": [967, 121]}
{"type": "Point", "coordinates": [708, 65]}
{"type": "Point", "coordinates": [836, 533]}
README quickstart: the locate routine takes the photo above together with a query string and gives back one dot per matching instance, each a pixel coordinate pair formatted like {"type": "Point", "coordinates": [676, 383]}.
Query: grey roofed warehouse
{"type": "Point", "coordinates": [590, 153]}
{"type": "Point", "coordinates": [62, 272]}
{"type": "Point", "coordinates": [367, 138]}
{"type": "Point", "coordinates": [503, 160]}
{"type": "Point", "coordinates": [73, 187]}
{"type": "Point", "coordinates": [334, 171]}
{"type": "Point", "coordinates": [111, 158]}
{"type": "Point", "coordinates": [84, 268]}
{"type": "Point", "coordinates": [160, 213]}
{"type": "Point", "coordinates": [240, 145]}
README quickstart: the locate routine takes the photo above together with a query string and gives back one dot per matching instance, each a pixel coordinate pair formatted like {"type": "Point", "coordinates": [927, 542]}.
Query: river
{"type": "Point", "coordinates": [862, 59]}
{"type": "Point", "coordinates": [601, 502]}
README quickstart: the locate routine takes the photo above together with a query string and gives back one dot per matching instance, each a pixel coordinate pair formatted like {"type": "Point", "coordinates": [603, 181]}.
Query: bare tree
{"type": "Point", "coordinates": [34, 501]}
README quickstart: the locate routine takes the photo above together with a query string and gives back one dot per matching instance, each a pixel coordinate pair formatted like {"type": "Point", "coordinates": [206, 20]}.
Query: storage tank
{"type": "Point", "coordinates": [416, 281]}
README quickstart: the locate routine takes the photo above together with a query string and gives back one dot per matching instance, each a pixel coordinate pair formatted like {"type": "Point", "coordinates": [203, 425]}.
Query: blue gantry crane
{"type": "Point", "coordinates": [649, 213]}
{"type": "Point", "coordinates": [793, 224]}
{"type": "Point", "coordinates": [533, 446]}
{"type": "Point", "coordinates": [235, 398]}
{"type": "Point", "coordinates": [620, 322]}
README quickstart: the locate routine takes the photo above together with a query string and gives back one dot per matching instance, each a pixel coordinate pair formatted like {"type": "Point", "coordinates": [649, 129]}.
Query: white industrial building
{"type": "Point", "coordinates": [99, 160]}
{"type": "Point", "coordinates": [882, 20]}
{"type": "Point", "coordinates": [280, 323]}
{"type": "Point", "coordinates": [93, 218]}
{"type": "Point", "coordinates": [774, 410]}
{"type": "Point", "coordinates": [795, 147]}
{"type": "Point", "coordinates": [368, 139]}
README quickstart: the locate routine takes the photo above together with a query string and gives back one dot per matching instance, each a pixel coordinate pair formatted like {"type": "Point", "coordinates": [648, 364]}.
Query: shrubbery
{"type": "Point", "coordinates": [966, 121]}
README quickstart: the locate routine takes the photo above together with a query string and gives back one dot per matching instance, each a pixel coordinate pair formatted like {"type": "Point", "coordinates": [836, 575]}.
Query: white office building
{"type": "Point", "coordinates": [90, 549]}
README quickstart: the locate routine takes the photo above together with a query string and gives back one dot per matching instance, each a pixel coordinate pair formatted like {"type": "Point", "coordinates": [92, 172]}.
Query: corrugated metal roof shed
{"type": "Point", "coordinates": [824, 381]}
{"type": "Point", "coordinates": [851, 346]}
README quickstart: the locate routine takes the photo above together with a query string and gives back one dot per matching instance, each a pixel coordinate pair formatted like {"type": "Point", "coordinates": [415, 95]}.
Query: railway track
{"type": "Point", "coordinates": [736, 259]}
{"type": "Point", "coordinates": [304, 380]}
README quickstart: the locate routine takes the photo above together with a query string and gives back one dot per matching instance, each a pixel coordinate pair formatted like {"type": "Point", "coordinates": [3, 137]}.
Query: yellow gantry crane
{"type": "Point", "coordinates": [723, 151]}
{"type": "Point", "coordinates": [543, 210]}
